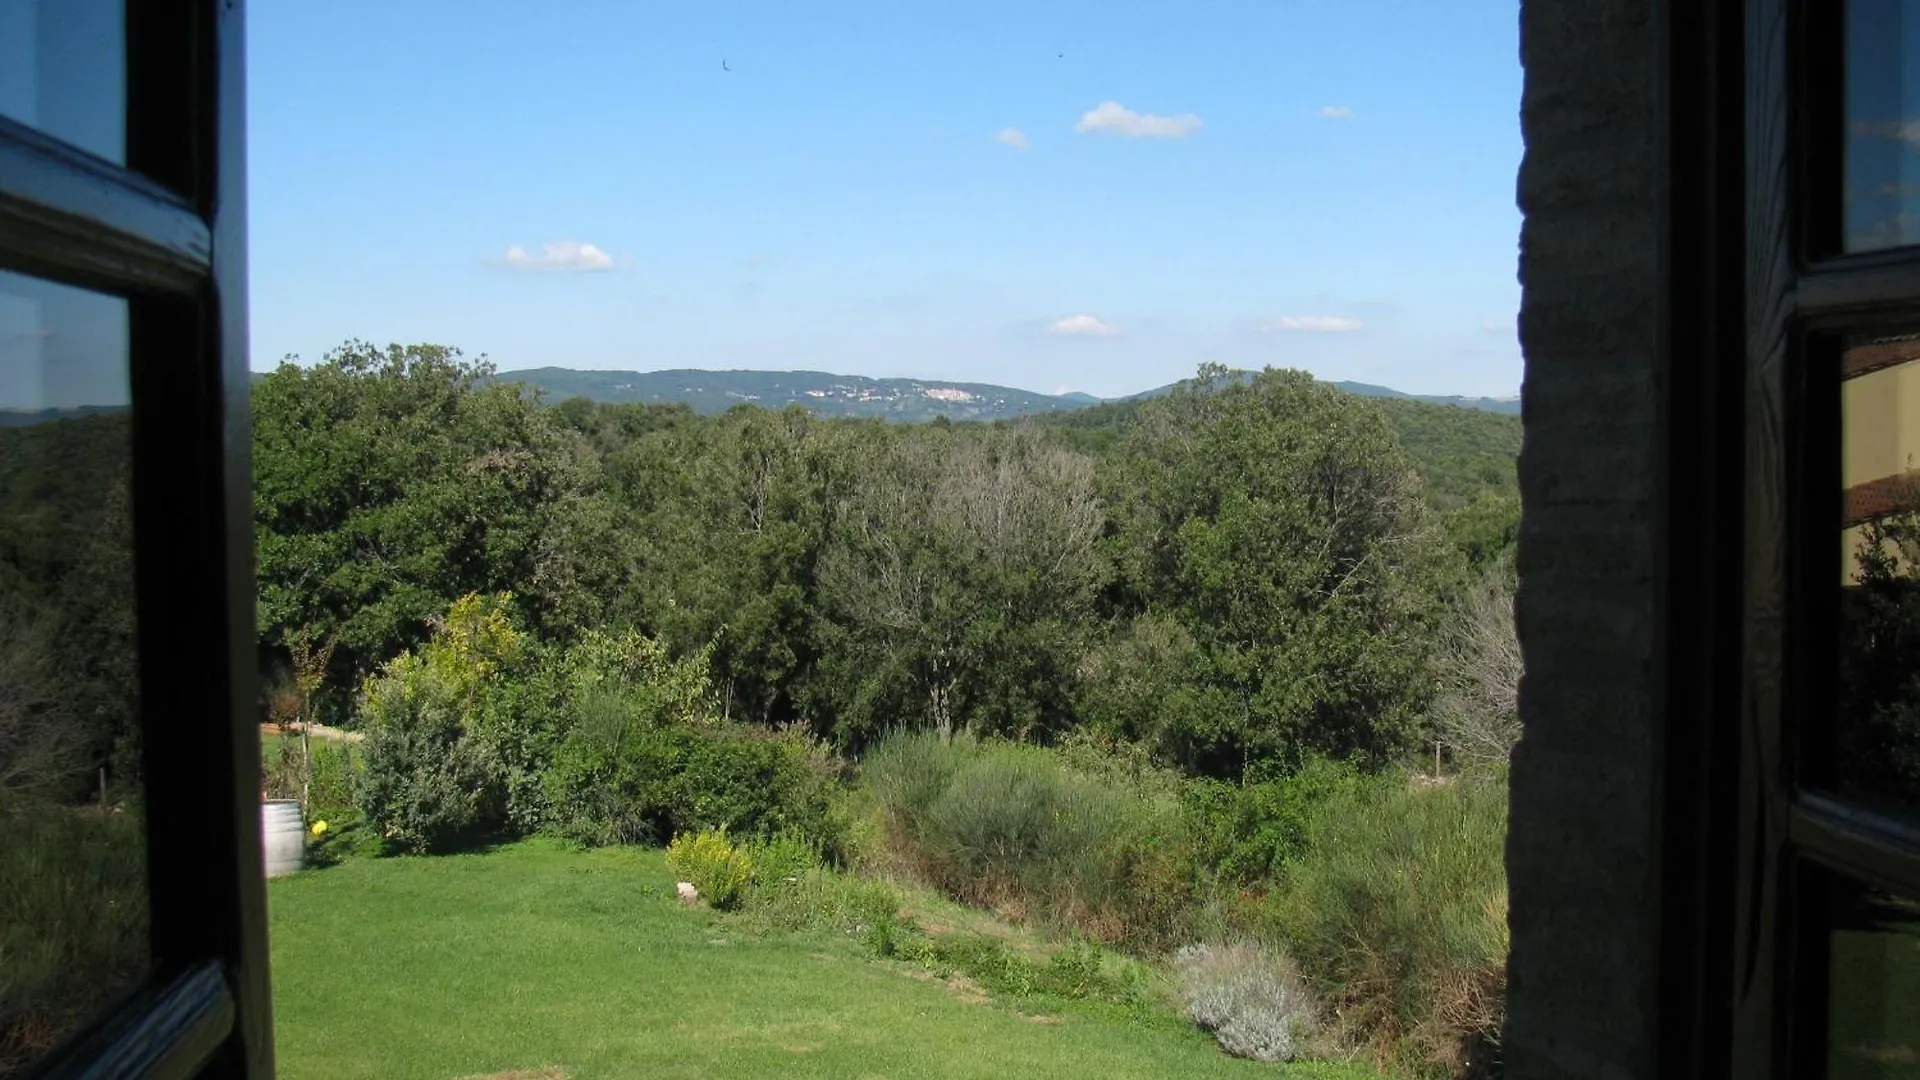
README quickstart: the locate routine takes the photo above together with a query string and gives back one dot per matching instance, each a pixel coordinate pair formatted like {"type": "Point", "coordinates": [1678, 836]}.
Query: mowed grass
{"type": "Point", "coordinates": [536, 957]}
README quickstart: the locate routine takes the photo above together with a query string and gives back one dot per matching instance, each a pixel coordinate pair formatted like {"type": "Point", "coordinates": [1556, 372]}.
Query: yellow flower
{"type": "Point", "coordinates": [319, 828]}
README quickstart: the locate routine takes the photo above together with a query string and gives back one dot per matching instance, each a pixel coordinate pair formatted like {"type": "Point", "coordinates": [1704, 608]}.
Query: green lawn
{"type": "Point", "coordinates": [533, 957]}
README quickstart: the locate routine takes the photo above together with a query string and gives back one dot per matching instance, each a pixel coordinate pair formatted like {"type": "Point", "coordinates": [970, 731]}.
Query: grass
{"type": "Point", "coordinates": [73, 921]}
{"type": "Point", "coordinates": [536, 956]}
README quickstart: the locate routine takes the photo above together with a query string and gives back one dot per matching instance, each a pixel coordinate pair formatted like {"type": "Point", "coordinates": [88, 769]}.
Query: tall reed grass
{"type": "Point", "coordinates": [73, 920]}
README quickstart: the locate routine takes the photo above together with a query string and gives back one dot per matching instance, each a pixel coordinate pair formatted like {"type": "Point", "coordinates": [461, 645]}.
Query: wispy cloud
{"type": "Point", "coordinates": [1012, 137]}
{"type": "Point", "coordinates": [1336, 112]}
{"type": "Point", "coordinates": [1113, 118]}
{"type": "Point", "coordinates": [1083, 326]}
{"type": "Point", "coordinates": [559, 255]}
{"type": "Point", "coordinates": [1312, 324]}
{"type": "Point", "coordinates": [1906, 131]}
{"type": "Point", "coordinates": [1492, 326]}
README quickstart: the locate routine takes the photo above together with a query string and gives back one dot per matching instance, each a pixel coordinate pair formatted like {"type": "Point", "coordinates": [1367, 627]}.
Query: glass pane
{"type": "Point", "coordinates": [73, 902]}
{"type": "Point", "coordinates": [1881, 168]}
{"type": "Point", "coordinates": [1873, 982]}
{"type": "Point", "coordinates": [1876, 735]}
{"type": "Point", "coordinates": [63, 69]}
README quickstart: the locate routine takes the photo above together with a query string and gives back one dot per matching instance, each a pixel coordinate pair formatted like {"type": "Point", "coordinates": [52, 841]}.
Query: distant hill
{"type": "Point", "coordinates": [854, 395]}
{"type": "Point", "coordinates": [11, 418]}
{"type": "Point", "coordinates": [1507, 405]}
{"type": "Point", "coordinates": [822, 393]}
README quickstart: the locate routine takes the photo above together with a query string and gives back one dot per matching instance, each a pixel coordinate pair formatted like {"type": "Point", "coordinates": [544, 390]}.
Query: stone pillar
{"type": "Point", "coordinates": [1582, 850]}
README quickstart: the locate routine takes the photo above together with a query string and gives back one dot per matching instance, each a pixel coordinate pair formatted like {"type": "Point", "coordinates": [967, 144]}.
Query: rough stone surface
{"type": "Point", "coordinates": [1581, 850]}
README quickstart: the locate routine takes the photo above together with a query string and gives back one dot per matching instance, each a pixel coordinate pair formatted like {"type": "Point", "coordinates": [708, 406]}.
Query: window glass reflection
{"type": "Point", "coordinates": [1881, 166]}
{"type": "Point", "coordinates": [1876, 729]}
{"type": "Point", "coordinates": [1872, 944]}
{"type": "Point", "coordinates": [73, 905]}
{"type": "Point", "coordinates": [63, 67]}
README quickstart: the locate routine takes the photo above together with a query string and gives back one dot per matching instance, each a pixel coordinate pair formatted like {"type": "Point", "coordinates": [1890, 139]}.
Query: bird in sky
{"type": "Point", "coordinates": [724, 67]}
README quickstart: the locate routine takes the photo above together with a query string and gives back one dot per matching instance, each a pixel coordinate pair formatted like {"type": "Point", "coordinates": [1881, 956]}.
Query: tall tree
{"type": "Point", "coordinates": [958, 582]}
{"type": "Point", "coordinates": [1278, 521]}
{"type": "Point", "coordinates": [389, 482]}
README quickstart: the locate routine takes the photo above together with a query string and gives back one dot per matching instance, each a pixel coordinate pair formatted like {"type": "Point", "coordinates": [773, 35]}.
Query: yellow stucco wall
{"type": "Point", "coordinates": [1880, 416]}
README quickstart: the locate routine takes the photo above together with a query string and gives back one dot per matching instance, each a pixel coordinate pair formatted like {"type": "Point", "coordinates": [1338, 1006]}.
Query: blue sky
{"type": "Point", "coordinates": [1055, 195]}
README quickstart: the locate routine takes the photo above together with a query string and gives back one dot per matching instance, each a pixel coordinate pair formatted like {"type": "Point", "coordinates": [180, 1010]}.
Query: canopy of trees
{"type": "Point", "coordinates": [1234, 575]}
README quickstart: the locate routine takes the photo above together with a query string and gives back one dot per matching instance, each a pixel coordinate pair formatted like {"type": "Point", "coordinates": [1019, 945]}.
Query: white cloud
{"type": "Point", "coordinates": [1906, 131]}
{"type": "Point", "coordinates": [1113, 118]}
{"type": "Point", "coordinates": [1312, 324]}
{"type": "Point", "coordinates": [1083, 326]}
{"type": "Point", "coordinates": [1336, 112]}
{"type": "Point", "coordinates": [1012, 137]}
{"type": "Point", "coordinates": [1493, 327]}
{"type": "Point", "coordinates": [560, 255]}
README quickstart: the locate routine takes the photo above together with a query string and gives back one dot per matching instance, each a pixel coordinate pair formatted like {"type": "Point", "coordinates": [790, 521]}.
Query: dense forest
{"type": "Point", "coordinates": [1231, 575]}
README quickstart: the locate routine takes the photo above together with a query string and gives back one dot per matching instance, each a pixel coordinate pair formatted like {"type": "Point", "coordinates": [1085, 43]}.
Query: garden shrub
{"type": "Point", "coordinates": [1246, 833]}
{"type": "Point", "coordinates": [617, 779]}
{"type": "Point", "coordinates": [432, 780]}
{"type": "Point", "coordinates": [713, 864]}
{"type": "Point", "coordinates": [427, 786]}
{"type": "Point", "coordinates": [781, 860]}
{"type": "Point", "coordinates": [644, 758]}
{"type": "Point", "coordinates": [1249, 997]}
{"type": "Point", "coordinates": [856, 831]}
{"type": "Point", "coordinates": [333, 770]}
{"type": "Point", "coordinates": [1396, 914]}
{"type": "Point", "coordinates": [1013, 827]}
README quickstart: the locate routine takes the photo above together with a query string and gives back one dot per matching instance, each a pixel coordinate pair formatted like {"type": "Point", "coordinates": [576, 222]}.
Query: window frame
{"type": "Point", "coordinates": [168, 232]}
{"type": "Point", "coordinates": [1802, 292]}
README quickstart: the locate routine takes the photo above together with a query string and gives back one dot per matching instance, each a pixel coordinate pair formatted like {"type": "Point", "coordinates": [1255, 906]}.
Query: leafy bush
{"type": "Point", "coordinates": [715, 866]}
{"type": "Point", "coordinates": [431, 779]}
{"type": "Point", "coordinates": [1246, 833]}
{"type": "Point", "coordinates": [616, 780]}
{"type": "Point", "coordinates": [781, 861]}
{"type": "Point", "coordinates": [73, 920]}
{"type": "Point", "coordinates": [334, 772]}
{"type": "Point", "coordinates": [1013, 827]}
{"type": "Point", "coordinates": [1396, 913]}
{"type": "Point", "coordinates": [1249, 997]}
{"type": "Point", "coordinates": [644, 758]}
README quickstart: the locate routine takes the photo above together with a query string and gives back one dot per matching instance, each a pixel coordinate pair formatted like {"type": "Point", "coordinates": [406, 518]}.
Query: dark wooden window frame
{"type": "Point", "coordinates": [1760, 298]}
{"type": "Point", "coordinates": [168, 232]}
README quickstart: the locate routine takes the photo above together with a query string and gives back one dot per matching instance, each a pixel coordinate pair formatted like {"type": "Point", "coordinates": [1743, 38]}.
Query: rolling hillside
{"type": "Point", "coordinates": [853, 395]}
{"type": "Point", "coordinates": [822, 393]}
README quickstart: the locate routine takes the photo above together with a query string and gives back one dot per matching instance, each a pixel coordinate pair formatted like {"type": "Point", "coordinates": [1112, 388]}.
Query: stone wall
{"type": "Point", "coordinates": [1582, 851]}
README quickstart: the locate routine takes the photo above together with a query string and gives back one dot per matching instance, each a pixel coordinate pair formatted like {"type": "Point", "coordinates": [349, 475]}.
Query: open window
{"type": "Point", "coordinates": [125, 514]}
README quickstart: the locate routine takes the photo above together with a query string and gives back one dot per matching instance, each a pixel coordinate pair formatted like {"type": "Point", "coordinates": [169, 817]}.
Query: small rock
{"type": "Point", "coordinates": [688, 894]}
